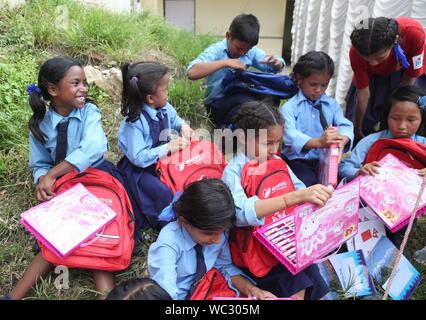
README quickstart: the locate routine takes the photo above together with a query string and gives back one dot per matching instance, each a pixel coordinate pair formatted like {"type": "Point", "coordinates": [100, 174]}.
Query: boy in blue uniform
{"type": "Point", "coordinates": [237, 51]}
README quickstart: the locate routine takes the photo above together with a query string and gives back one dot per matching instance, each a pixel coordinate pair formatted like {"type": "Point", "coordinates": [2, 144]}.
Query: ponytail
{"type": "Point", "coordinates": [38, 106]}
{"type": "Point", "coordinates": [139, 80]}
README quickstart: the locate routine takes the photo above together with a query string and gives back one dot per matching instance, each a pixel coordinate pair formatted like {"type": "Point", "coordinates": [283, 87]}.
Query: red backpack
{"type": "Point", "coordinates": [200, 160]}
{"type": "Point", "coordinates": [112, 251]}
{"type": "Point", "coordinates": [267, 180]}
{"type": "Point", "coordinates": [211, 285]}
{"type": "Point", "coordinates": [412, 153]}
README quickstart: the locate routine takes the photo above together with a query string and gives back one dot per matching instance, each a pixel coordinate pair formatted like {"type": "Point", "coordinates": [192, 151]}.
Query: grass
{"type": "Point", "coordinates": [28, 36]}
{"type": "Point", "coordinates": [44, 28]}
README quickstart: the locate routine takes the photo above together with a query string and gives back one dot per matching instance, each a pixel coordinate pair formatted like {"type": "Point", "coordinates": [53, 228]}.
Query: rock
{"type": "Point", "coordinates": [92, 74]}
{"type": "Point", "coordinates": [109, 80]}
{"type": "Point", "coordinates": [420, 256]}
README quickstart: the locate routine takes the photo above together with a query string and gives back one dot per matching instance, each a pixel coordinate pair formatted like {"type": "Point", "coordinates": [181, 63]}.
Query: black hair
{"type": "Point", "coordinates": [139, 80]}
{"type": "Point", "coordinates": [138, 289]}
{"type": "Point", "coordinates": [51, 71]}
{"type": "Point", "coordinates": [313, 62]}
{"type": "Point", "coordinates": [257, 115]}
{"type": "Point", "coordinates": [374, 34]}
{"type": "Point", "coordinates": [207, 205]}
{"type": "Point", "coordinates": [404, 93]}
{"type": "Point", "coordinates": [245, 28]}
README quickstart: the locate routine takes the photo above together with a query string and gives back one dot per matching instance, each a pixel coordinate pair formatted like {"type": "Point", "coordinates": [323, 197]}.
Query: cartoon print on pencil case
{"type": "Point", "coordinates": [311, 235]}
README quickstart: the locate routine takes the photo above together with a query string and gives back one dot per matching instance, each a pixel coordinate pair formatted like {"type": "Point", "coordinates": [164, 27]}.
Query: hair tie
{"type": "Point", "coordinates": [135, 79]}
{"type": "Point", "coordinates": [33, 87]}
{"type": "Point", "coordinates": [400, 55]}
{"type": "Point", "coordinates": [231, 127]}
{"type": "Point", "coordinates": [168, 214]}
{"type": "Point", "coordinates": [422, 102]}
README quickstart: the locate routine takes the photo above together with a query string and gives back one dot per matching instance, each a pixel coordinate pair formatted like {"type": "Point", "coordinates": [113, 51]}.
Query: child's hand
{"type": "Point", "coordinates": [421, 172]}
{"type": "Point", "coordinates": [273, 62]}
{"type": "Point", "coordinates": [342, 144]}
{"type": "Point", "coordinates": [371, 168]}
{"type": "Point", "coordinates": [236, 64]}
{"type": "Point", "coordinates": [330, 135]}
{"type": "Point", "coordinates": [317, 194]}
{"type": "Point", "coordinates": [44, 188]}
{"type": "Point", "coordinates": [260, 294]}
{"type": "Point", "coordinates": [177, 144]}
{"type": "Point", "coordinates": [186, 131]}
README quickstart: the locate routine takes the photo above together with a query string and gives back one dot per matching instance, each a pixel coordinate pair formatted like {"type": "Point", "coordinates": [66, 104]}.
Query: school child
{"type": "Point", "coordinates": [251, 211]}
{"type": "Point", "coordinates": [312, 119]}
{"type": "Point", "coordinates": [138, 289]}
{"type": "Point", "coordinates": [144, 137]}
{"type": "Point", "coordinates": [68, 136]}
{"type": "Point", "coordinates": [385, 53]}
{"type": "Point", "coordinates": [404, 118]}
{"type": "Point", "coordinates": [237, 51]}
{"type": "Point", "coordinates": [192, 246]}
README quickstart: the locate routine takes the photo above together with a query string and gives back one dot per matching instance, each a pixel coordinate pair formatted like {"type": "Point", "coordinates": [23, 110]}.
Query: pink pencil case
{"type": "Point", "coordinates": [392, 193]}
{"type": "Point", "coordinates": [309, 233]}
{"type": "Point", "coordinates": [329, 165]}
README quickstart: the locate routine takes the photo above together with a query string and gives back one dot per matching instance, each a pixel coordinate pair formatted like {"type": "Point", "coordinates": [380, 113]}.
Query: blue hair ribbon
{"type": "Point", "coordinates": [400, 55]}
{"type": "Point", "coordinates": [231, 127]}
{"type": "Point", "coordinates": [33, 87]}
{"type": "Point", "coordinates": [422, 102]}
{"type": "Point", "coordinates": [168, 214]}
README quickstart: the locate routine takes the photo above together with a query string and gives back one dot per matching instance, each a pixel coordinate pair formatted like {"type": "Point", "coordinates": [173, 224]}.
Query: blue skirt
{"type": "Point", "coordinates": [110, 168]}
{"type": "Point", "coordinates": [381, 88]}
{"type": "Point", "coordinates": [149, 196]}
{"type": "Point", "coordinates": [282, 283]}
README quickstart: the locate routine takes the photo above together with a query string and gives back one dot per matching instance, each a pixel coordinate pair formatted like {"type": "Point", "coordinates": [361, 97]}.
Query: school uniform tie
{"type": "Point", "coordinates": [200, 271]}
{"type": "Point", "coordinates": [324, 124]}
{"type": "Point", "coordinates": [61, 141]}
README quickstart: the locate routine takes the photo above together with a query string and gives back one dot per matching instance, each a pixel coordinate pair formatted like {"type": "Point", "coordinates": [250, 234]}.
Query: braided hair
{"type": "Point", "coordinates": [257, 115]}
{"type": "Point", "coordinates": [375, 35]}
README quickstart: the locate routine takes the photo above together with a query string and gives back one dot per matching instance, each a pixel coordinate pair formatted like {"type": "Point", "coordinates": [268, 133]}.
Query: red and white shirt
{"type": "Point", "coordinates": [411, 40]}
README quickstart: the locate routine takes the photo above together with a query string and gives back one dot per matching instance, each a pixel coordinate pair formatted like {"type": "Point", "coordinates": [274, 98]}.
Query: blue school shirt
{"type": "Point", "coordinates": [246, 213]}
{"type": "Point", "coordinates": [302, 123]}
{"type": "Point", "coordinates": [219, 51]}
{"type": "Point", "coordinates": [86, 139]}
{"type": "Point", "coordinates": [172, 260]}
{"type": "Point", "coordinates": [351, 165]}
{"type": "Point", "coordinates": [134, 138]}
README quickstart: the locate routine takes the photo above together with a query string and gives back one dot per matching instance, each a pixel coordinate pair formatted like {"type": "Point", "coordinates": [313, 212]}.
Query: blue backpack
{"type": "Point", "coordinates": [278, 85]}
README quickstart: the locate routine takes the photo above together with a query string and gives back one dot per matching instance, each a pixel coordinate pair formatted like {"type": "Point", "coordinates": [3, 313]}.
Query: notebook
{"type": "Point", "coordinates": [68, 220]}
{"type": "Point", "coordinates": [392, 193]}
{"type": "Point", "coordinates": [379, 263]}
{"type": "Point", "coordinates": [329, 165]}
{"type": "Point", "coordinates": [301, 238]}
{"type": "Point", "coordinates": [351, 270]}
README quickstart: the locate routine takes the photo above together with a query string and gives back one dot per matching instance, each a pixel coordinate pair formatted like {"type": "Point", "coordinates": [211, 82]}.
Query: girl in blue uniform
{"type": "Point", "coordinates": [251, 211]}
{"type": "Point", "coordinates": [144, 137]}
{"type": "Point", "coordinates": [188, 248]}
{"type": "Point", "coordinates": [312, 119]}
{"type": "Point", "coordinates": [403, 118]}
{"type": "Point", "coordinates": [67, 136]}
